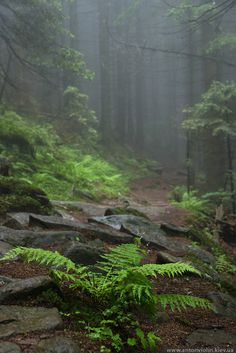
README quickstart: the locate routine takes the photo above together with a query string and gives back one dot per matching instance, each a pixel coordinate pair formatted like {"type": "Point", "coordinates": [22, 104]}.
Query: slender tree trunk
{"type": "Point", "coordinates": [190, 97]}
{"type": "Point", "coordinates": [230, 171]}
{"type": "Point", "coordinates": [5, 77]}
{"type": "Point", "coordinates": [105, 65]}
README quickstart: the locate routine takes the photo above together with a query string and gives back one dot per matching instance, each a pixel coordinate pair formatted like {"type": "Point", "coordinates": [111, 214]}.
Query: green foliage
{"type": "Point", "coordinates": [193, 12]}
{"type": "Point", "coordinates": [18, 195]}
{"type": "Point", "coordinates": [216, 111]}
{"type": "Point", "coordinates": [224, 41]}
{"type": "Point", "coordinates": [223, 263]}
{"type": "Point", "coordinates": [77, 112]}
{"type": "Point", "coordinates": [119, 287]}
{"type": "Point", "coordinates": [33, 29]}
{"type": "Point", "coordinates": [190, 201]}
{"type": "Point", "coordinates": [40, 158]}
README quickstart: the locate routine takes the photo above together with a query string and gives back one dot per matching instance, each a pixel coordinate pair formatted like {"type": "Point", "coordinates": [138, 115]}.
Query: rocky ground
{"type": "Point", "coordinates": [29, 324]}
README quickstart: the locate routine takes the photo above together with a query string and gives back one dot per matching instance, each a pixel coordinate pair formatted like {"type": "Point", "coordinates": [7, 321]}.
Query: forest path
{"type": "Point", "coordinates": [150, 195]}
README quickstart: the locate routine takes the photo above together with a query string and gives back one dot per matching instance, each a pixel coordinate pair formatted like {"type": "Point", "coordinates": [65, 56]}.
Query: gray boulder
{"type": "Point", "coordinates": [4, 248]}
{"type": "Point", "coordinates": [224, 304]}
{"type": "Point", "coordinates": [212, 337]}
{"type": "Point", "coordinates": [22, 287]}
{"type": "Point", "coordinates": [9, 347]}
{"type": "Point", "coordinates": [85, 254]}
{"type": "Point", "coordinates": [149, 232]}
{"type": "Point", "coordinates": [17, 319]}
{"type": "Point", "coordinates": [58, 344]}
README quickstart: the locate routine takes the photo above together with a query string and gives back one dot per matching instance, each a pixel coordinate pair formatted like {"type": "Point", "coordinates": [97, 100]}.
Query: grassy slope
{"type": "Point", "coordinates": [65, 170]}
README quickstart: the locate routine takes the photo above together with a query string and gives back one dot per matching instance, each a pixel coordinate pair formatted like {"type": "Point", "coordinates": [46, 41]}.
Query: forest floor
{"type": "Point", "coordinates": [149, 195]}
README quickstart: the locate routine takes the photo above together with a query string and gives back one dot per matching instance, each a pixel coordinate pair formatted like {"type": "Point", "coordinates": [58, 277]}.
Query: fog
{"type": "Point", "coordinates": [150, 61]}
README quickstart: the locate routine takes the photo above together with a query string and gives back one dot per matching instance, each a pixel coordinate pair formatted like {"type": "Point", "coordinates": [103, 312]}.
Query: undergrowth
{"type": "Point", "coordinates": [109, 300]}
{"type": "Point", "coordinates": [63, 169]}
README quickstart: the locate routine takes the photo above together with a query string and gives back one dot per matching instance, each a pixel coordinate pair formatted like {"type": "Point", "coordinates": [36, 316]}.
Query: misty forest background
{"type": "Point", "coordinates": [91, 90]}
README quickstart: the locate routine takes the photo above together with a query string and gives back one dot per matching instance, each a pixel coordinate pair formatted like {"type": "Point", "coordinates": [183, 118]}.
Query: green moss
{"type": "Point", "coordinates": [18, 195]}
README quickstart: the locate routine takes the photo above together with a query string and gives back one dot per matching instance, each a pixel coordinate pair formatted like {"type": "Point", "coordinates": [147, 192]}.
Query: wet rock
{"type": "Point", "coordinates": [124, 211]}
{"type": "Point", "coordinates": [9, 347]}
{"type": "Point", "coordinates": [17, 319]}
{"type": "Point", "coordinates": [95, 231]}
{"type": "Point", "coordinates": [173, 229]}
{"type": "Point", "coordinates": [201, 254]}
{"type": "Point", "coordinates": [22, 287]}
{"type": "Point", "coordinates": [166, 258]}
{"type": "Point", "coordinates": [53, 222]}
{"type": "Point", "coordinates": [85, 254]}
{"type": "Point", "coordinates": [149, 232]}
{"type": "Point", "coordinates": [45, 239]}
{"type": "Point", "coordinates": [4, 248]}
{"type": "Point", "coordinates": [5, 280]}
{"type": "Point", "coordinates": [90, 208]}
{"type": "Point", "coordinates": [58, 344]}
{"type": "Point", "coordinates": [17, 220]}
{"type": "Point", "coordinates": [37, 239]}
{"type": "Point", "coordinates": [224, 304]}
{"type": "Point", "coordinates": [211, 337]}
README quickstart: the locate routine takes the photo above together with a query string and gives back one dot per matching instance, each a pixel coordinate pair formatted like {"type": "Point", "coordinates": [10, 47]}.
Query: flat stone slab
{"type": "Point", "coordinates": [224, 304]}
{"type": "Point", "coordinates": [42, 239]}
{"type": "Point", "coordinates": [90, 208]}
{"type": "Point", "coordinates": [96, 231]}
{"type": "Point", "coordinates": [9, 347]}
{"type": "Point", "coordinates": [4, 248]}
{"type": "Point", "coordinates": [58, 344]}
{"type": "Point", "coordinates": [172, 228]}
{"type": "Point", "coordinates": [212, 337]}
{"type": "Point", "coordinates": [18, 319]}
{"type": "Point", "coordinates": [21, 287]}
{"type": "Point", "coordinates": [149, 232]}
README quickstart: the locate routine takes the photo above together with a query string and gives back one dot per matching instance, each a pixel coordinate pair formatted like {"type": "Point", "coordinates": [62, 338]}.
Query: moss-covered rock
{"type": "Point", "coordinates": [17, 195]}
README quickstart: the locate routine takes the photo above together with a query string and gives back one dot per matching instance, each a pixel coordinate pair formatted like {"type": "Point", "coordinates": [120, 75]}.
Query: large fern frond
{"type": "Point", "coordinates": [121, 257]}
{"type": "Point", "coordinates": [43, 257]}
{"type": "Point", "coordinates": [170, 270]}
{"type": "Point", "coordinates": [182, 302]}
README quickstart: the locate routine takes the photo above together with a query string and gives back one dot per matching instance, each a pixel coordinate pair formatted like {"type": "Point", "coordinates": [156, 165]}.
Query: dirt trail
{"type": "Point", "coordinates": [151, 196]}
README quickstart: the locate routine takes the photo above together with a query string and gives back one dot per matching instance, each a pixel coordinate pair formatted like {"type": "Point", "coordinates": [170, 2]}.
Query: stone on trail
{"type": "Point", "coordinates": [224, 304]}
{"type": "Point", "coordinates": [42, 239]}
{"type": "Point", "coordinates": [18, 319]}
{"type": "Point", "coordinates": [58, 344]}
{"type": "Point", "coordinates": [173, 229]}
{"type": "Point", "coordinates": [84, 254]}
{"type": "Point", "coordinates": [149, 232]}
{"type": "Point", "coordinates": [211, 337]}
{"type": "Point", "coordinates": [9, 347]}
{"type": "Point", "coordinates": [22, 287]}
{"type": "Point", "coordinates": [164, 257]}
{"type": "Point", "coordinates": [4, 248]}
{"type": "Point", "coordinates": [17, 220]}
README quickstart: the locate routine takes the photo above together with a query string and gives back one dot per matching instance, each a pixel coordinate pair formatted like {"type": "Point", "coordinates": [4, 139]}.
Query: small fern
{"type": "Point", "coordinates": [44, 257]}
{"type": "Point", "coordinates": [120, 283]}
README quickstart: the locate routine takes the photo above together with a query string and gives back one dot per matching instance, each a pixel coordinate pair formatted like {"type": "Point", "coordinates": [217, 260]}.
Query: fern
{"type": "Point", "coordinates": [182, 302]}
{"type": "Point", "coordinates": [43, 257]}
{"type": "Point", "coordinates": [122, 283]}
{"type": "Point", "coordinates": [170, 270]}
{"type": "Point", "coordinates": [121, 257]}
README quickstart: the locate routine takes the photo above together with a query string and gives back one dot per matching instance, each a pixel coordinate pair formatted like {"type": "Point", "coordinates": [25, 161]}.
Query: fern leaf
{"type": "Point", "coordinates": [121, 257]}
{"type": "Point", "coordinates": [42, 257]}
{"type": "Point", "coordinates": [182, 302]}
{"type": "Point", "coordinates": [170, 270]}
